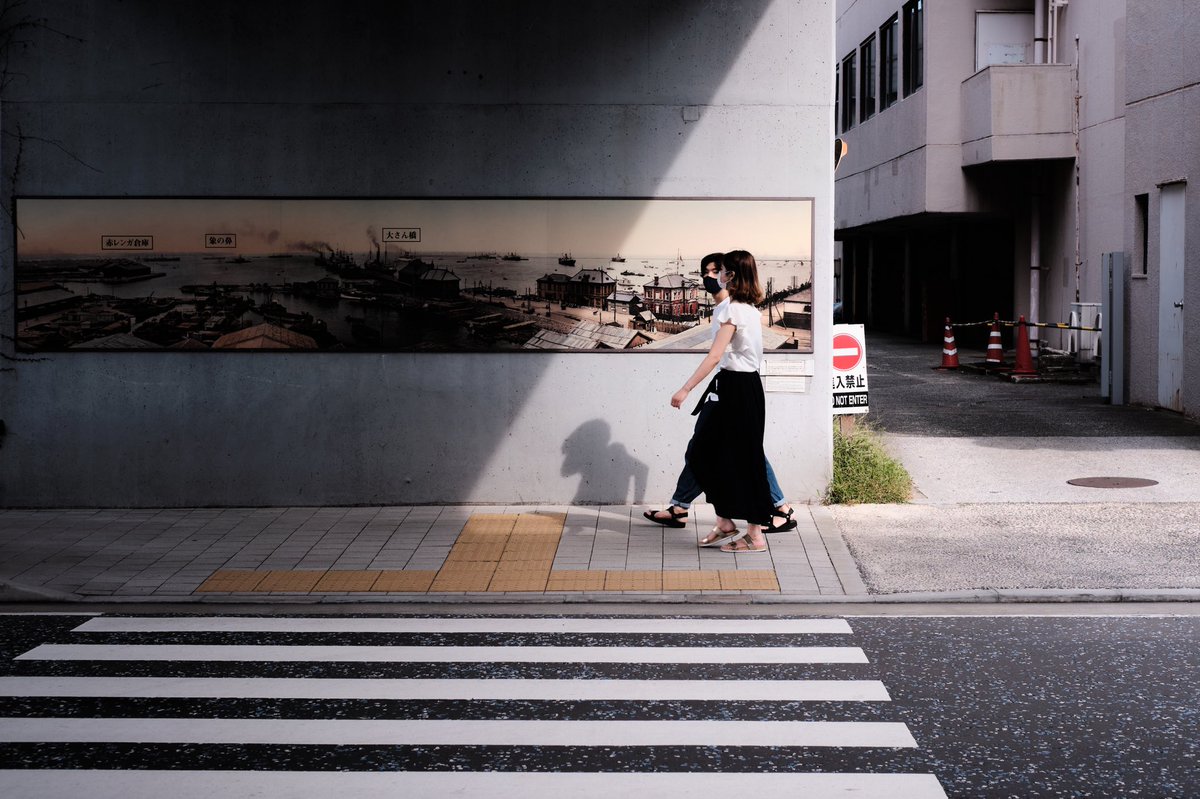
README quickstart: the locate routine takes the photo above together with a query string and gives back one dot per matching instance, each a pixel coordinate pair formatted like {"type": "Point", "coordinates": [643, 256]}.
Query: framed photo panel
{"type": "Point", "coordinates": [398, 275]}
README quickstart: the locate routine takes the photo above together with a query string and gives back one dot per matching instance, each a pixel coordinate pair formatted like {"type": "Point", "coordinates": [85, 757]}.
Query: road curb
{"type": "Point", "coordinates": [15, 592]}
{"type": "Point", "coordinates": [980, 596]}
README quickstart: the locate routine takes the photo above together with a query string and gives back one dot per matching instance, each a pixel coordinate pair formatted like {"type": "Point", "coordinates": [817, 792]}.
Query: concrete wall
{"type": "Point", "coordinates": [361, 99]}
{"type": "Point", "coordinates": [1162, 104]}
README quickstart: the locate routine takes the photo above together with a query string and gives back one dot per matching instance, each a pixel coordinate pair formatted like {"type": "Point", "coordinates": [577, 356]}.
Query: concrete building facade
{"type": "Point", "coordinates": [366, 99]}
{"type": "Point", "coordinates": [988, 180]}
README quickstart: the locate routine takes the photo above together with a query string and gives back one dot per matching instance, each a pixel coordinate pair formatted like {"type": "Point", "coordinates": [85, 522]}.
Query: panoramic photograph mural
{"type": "Point", "coordinates": [399, 275]}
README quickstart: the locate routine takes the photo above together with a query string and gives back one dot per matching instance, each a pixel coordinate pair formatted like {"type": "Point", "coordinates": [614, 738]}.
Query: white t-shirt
{"type": "Point", "coordinates": [745, 352]}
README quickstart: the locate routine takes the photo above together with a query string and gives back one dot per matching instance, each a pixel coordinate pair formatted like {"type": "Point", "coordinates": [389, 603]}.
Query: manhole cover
{"type": "Point", "coordinates": [1112, 482]}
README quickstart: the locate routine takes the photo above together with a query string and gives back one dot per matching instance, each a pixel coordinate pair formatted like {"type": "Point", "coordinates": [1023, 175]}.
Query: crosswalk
{"type": "Point", "coordinates": [489, 706]}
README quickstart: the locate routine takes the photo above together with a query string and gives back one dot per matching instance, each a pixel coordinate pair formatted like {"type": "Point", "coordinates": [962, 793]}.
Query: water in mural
{"type": "Point", "coordinates": [397, 275]}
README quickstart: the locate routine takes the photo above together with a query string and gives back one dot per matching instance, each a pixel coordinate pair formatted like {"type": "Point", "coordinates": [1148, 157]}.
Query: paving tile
{"type": "Point", "coordinates": [576, 580]}
{"type": "Point", "coordinates": [480, 551]}
{"type": "Point", "coordinates": [633, 581]}
{"type": "Point", "coordinates": [232, 580]}
{"type": "Point", "coordinates": [690, 580]}
{"type": "Point", "coordinates": [347, 580]}
{"type": "Point", "coordinates": [751, 579]}
{"type": "Point", "coordinates": [290, 580]}
{"type": "Point", "coordinates": [406, 581]}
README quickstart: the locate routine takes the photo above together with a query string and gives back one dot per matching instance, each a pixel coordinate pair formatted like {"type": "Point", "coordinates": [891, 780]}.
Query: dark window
{"type": "Point", "coordinates": [866, 79]}
{"type": "Point", "coordinates": [888, 63]}
{"type": "Point", "coordinates": [837, 96]}
{"type": "Point", "coordinates": [1141, 203]}
{"type": "Point", "coordinates": [914, 46]}
{"type": "Point", "coordinates": [849, 87]}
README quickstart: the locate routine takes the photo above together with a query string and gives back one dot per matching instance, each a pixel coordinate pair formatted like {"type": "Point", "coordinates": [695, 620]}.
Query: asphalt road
{"type": "Point", "coordinates": [910, 397]}
{"type": "Point", "coordinates": [891, 706]}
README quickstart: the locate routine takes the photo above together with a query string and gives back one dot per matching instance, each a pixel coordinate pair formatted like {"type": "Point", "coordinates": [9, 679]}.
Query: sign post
{"type": "Point", "coordinates": [849, 372]}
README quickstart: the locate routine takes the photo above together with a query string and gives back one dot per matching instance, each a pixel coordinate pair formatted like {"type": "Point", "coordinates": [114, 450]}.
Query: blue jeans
{"type": "Point", "coordinates": [687, 489]}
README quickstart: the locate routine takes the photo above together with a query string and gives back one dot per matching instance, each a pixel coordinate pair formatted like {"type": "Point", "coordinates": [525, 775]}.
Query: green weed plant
{"type": "Point", "coordinates": [863, 472]}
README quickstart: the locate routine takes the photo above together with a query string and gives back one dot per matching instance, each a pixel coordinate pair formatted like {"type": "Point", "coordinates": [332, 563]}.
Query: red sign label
{"type": "Point", "coordinates": [847, 352]}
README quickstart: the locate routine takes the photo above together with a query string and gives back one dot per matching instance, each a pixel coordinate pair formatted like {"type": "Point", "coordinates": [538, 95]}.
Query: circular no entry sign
{"type": "Point", "coordinates": [847, 352]}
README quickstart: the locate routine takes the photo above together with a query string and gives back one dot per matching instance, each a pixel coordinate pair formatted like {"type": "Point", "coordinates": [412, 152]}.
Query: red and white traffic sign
{"type": "Point", "coordinates": [849, 369]}
{"type": "Point", "coordinates": [847, 352]}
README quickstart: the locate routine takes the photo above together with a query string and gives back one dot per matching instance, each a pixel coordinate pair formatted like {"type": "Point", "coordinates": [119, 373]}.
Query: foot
{"type": "Point", "coordinates": [746, 546]}
{"type": "Point", "coordinates": [673, 516]}
{"type": "Point", "coordinates": [725, 532]}
{"type": "Point", "coordinates": [782, 520]}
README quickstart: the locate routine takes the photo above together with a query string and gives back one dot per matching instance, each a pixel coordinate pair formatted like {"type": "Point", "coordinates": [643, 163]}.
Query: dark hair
{"type": "Point", "coordinates": [711, 258]}
{"type": "Point", "coordinates": [744, 285]}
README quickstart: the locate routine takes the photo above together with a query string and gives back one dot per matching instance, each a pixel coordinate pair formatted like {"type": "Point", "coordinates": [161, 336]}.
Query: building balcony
{"type": "Point", "coordinates": [1017, 112]}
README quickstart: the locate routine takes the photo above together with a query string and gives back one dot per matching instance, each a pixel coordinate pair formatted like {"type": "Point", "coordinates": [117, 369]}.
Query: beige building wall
{"type": "Point", "coordinates": [1162, 106]}
{"type": "Point", "coordinates": [925, 159]}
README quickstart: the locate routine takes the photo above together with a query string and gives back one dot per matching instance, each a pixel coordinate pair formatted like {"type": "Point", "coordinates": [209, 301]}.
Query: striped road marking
{"type": "Point", "coordinates": [450, 654]}
{"type": "Point", "coordinates": [477, 625]}
{"type": "Point", "coordinates": [429, 689]}
{"type": "Point", "coordinates": [457, 732]}
{"type": "Point", "coordinates": [492, 785]}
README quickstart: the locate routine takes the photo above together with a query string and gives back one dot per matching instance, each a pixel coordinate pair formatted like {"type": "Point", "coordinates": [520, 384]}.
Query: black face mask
{"type": "Point", "coordinates": [712, 285]}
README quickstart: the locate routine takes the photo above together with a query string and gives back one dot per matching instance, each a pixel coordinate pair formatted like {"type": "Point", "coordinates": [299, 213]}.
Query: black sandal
{"type": "Point", "coordinates": [788, 524]}
{"type": "Point", "coordinates": [674, 521]}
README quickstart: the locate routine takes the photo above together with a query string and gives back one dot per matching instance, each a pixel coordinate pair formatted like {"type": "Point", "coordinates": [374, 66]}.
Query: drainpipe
{"type": "Point", "coordinates": [1035, 217]}
{"type": "Point", "coordinates": [1035, 265]}
{"type": "Point", "coordinates": [1079, 263]}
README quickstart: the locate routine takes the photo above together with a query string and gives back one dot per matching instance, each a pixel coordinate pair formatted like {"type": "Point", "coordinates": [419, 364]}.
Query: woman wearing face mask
{"type": "Point", "coordinates": [726, 453]}
{"type": "Point", "coordinates": [686, 487]}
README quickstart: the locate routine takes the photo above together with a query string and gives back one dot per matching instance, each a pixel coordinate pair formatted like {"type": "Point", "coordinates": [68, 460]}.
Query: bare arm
{"type": "Point", "coordinates": [720, 342]}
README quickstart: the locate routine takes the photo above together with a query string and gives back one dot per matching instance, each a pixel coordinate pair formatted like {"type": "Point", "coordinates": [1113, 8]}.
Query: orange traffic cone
{"type": "Point", "coordinates": [1024, 360]}
{"type": "Point", "coordinates": [949, 349]}
{"type": "Point", "coordinates": [995, 350]}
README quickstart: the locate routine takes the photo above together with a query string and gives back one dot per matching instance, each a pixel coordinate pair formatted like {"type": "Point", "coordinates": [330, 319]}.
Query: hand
{"type": "Point", "coordinates": [678, 397]}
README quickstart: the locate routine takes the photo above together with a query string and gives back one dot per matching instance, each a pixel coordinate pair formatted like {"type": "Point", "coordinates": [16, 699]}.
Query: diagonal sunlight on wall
{"type": "Point", "coordinates": [494, 99]}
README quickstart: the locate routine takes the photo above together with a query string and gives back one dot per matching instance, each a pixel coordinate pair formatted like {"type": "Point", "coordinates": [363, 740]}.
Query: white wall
{"type": "Point", "coordinates": [277, 99]}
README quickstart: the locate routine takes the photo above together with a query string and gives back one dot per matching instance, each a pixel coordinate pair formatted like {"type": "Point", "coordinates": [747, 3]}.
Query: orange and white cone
{"type": "Point", "coordinates": [1024, 358]}
{"type": "Point", "coordinates": [995, 350]}
{"type": "Point", "coordinates": [949, 349]}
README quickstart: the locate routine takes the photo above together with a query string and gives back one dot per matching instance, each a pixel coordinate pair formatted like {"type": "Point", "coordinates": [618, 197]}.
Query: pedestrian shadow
{"type": "Point", "coordinates": [608, 473]}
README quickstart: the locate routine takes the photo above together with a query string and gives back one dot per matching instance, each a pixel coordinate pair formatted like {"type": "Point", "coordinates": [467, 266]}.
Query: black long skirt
{"type": "Point", "coordinates": [726, 451]}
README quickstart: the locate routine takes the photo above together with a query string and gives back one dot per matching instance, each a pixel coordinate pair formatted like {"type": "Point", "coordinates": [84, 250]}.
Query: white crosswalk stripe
{"type": "Point", "coordinates": [466, 706]}
{"type": "Point", "coordinates": [148, 784]}
{"type": "Point", "coordinates": [494, 689]}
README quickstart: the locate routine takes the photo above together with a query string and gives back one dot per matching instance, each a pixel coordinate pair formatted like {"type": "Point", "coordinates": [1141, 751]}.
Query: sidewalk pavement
{"type": "Point", "coordinates": [442, 553]}
{"type": "Point", "coordinates": [993, 519]}
{"type": "Point", "coordinates": [993, 510]}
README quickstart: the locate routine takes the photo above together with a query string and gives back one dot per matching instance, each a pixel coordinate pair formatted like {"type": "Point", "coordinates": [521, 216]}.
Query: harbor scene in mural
{"type": "Point", "coordinates": [397, 275]}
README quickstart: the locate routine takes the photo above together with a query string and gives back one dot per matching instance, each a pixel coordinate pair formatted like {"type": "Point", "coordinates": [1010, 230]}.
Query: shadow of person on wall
{"type": "Point", "coordinates": [606, 468]}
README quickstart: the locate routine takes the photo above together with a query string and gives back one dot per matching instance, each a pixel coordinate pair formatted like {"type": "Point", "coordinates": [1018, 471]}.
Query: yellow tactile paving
{"type": "Point", "coordinates": [291, 581]}
{"type": "Point", "coordinates": [494, 552]}
{"type": "Point", "coordinates": [583, 580]}
{"type": "Point", "coordinates": [749, 580]}
{"type": "Point", "coordinates": [465, 576]}
{"type": "Point", "coordinates": [526, 550]}
{"type": "Point", "coordinates": [487, 527]}
{"type": "Point", "coordinates": [402, 581]}
{"type": "Point", "coordinates": [520, 580]}
{"type": "Point", "coordinates": [481, 551]}
{"type": "Point", "coordinates": [633, 581]}
{"type": "Point", "coordinates": [691, 580]}
{"type": "Point", "coordinates": [338, 580]}
{"type": "Point", "coordinates": [232, 580]}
